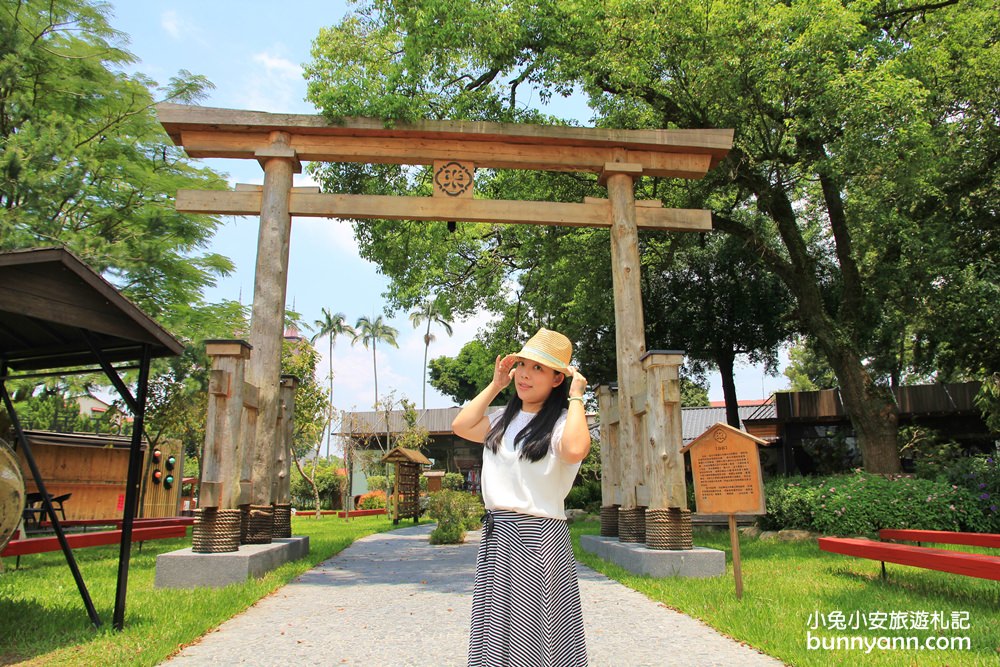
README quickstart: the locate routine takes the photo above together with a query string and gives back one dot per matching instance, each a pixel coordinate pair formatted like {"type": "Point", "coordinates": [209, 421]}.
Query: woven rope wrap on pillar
{"type": "Point", "coordinates": [609, 521]}
{"type": "Point", "coordinates": [260, 524]}
{"type": "Point", "coordinates": [215, 531]}
{"type": "Point", "coordinates": [632, 524]}
{"type": "Point", "coordinates": [657, 528]}
{"type": "Point", "coordinates": [669, 529]}
{"type": "Point", "coordinates": [680, 520]}
{"type": "Point", "coordinates": [244, 522]}
{"type": "Point", "coordinates": [282, 521]}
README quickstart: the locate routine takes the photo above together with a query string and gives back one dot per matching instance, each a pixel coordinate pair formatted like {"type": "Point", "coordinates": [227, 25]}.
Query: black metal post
{"type": "Point", "coordinates": [47, 504]}
{"type": "Point", "coordinates": [132, 486]}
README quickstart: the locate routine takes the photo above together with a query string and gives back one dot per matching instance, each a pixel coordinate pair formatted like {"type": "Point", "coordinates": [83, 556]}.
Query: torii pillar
{"type": "Point", "coordinates": [630, 331]}
{"type": "Point", "coordinates": [267, 324]}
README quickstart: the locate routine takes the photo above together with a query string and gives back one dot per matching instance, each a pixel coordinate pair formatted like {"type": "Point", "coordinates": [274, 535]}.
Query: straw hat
{"type": "Point", "coordinates": [549, 348]}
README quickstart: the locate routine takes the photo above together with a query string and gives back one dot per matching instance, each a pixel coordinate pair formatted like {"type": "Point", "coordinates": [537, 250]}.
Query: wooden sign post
{"type": "Point", "coordinates": [725, 465]}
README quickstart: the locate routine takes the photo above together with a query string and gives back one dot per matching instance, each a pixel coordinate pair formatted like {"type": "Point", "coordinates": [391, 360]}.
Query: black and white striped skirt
{"type": "Point", "coordinates": [526, 603]}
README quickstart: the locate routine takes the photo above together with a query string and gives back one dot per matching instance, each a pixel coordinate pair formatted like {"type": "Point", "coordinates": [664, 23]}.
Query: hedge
{"type": "Point", "coordinates": [862, 504]}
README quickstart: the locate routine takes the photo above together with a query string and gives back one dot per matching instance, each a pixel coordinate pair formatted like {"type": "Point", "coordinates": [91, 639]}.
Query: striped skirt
{"type": "Point", "coordinates": [526, 602]}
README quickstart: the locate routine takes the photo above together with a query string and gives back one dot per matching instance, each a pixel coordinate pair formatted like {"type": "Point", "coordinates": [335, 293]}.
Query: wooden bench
{"type": "Point", "coordinates": [37, 545]}
{"type": "Point", "coordinates": [989, 540]}
{"type": "Point", "coordinates": [956, 562]}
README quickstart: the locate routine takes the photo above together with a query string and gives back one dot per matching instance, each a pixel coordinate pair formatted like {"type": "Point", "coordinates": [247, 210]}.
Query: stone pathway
{"type": "Point", "coordinates": [392, 599]}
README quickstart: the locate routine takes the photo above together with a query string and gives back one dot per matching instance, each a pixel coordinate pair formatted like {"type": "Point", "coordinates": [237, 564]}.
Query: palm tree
{"type": "Point", "coordinates": [371, 331]}
{"type": "Point", "coordinates": [331, 326]}
{"type": "Point", "coordinates": [430, 312]}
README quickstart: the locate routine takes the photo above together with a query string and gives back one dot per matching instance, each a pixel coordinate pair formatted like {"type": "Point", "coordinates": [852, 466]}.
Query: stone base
{"type": "Point", "coordinates": [698, 562]}
{"type": "Point", "coordinates": [186, 569]}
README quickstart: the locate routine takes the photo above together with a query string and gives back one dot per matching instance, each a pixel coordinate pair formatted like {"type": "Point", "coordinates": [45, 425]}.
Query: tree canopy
{"type": "Point", "coordinates": [85, 164]}
{"type": "Point", "coordinates": [863, 173]}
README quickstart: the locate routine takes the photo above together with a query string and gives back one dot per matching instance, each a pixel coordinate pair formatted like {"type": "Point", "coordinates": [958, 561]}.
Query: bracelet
{"type": "Point", "coordinates": [574, 398]}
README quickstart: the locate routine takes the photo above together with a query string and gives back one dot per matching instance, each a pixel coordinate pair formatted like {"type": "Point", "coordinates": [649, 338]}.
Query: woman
{"type": "Point", "coordinates": [526, 604]}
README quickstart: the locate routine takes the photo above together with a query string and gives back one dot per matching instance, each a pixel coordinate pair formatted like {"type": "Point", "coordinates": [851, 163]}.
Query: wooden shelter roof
{"type": "Point", "coordinates": [403, 455]}
{"type": "Point", "coordinates": [49, 303]}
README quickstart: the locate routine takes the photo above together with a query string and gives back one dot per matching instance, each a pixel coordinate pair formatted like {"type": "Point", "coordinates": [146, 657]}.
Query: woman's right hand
{"type": "Point", "coordinates": [503, 371]}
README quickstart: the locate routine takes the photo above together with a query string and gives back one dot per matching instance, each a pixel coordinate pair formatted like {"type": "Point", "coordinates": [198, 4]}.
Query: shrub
{"type": "Point", "coordinates": [864, 504]}
{"type": "Point", "coordinates": [378, 483]}
{"type": "Point", "coordinates": [790, 503]}
{"type": "Point", "coordinates": [861, 503]}
{"type": "Point", "coordinates": [474, 510]}
{"type": "Point", "coordinates": [585, 496]}
{"type": "Point", "coordinates": [980, 475]}
{"type": "Point", "coordinates": [453, 481]}
{"type": "Point", "coordinates": [455, 513]}
{"type": "Point", "coordinates": [373, 500]}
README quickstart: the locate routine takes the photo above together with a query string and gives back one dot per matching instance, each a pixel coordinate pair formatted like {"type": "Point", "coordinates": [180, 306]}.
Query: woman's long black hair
{"type": "Point", "coordinates": [534, 438]}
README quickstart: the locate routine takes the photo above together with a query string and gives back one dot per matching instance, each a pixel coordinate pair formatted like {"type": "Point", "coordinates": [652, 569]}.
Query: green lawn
{"type": "Point", "coordinates": [43, 621]}
{"type": "Point", "coordinates": [786, 585]}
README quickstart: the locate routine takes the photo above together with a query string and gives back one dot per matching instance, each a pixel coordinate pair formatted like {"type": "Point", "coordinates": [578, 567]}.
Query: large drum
{"type": "Point", "coordinates": [11, 494]}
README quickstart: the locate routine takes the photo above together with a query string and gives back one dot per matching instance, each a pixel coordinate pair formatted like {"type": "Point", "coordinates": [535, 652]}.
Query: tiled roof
{"type": "Point", "coordinates": [695, 421]}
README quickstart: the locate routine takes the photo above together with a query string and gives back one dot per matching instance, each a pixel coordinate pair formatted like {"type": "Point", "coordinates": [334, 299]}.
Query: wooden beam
{"type": "Point", "coordinates": [485, 154]}
{"type": "Point", "coordinates": [179, 118]}
{"type": "Point", "coordinates": [593, 213]}
{"type": "Point", "coordinates": [251, 187]}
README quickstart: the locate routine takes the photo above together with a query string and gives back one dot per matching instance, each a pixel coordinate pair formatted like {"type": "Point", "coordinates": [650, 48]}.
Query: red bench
{"type": "Point", "coordinates": [989, 540]}
{"type": "Point", "coordinates": [956, 562]}
{"type": "Point", "coordinates": [117, 523]}
{"type": "Point", "coordinates": [37, 545]}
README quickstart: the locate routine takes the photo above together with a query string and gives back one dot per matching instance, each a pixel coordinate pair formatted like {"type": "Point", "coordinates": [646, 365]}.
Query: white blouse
{"type": "Point", "coordinates": [513, 483]}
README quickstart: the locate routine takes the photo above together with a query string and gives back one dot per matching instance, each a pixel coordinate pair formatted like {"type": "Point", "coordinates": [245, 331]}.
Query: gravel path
{"type": "Point", "coordinates": [393, 599]}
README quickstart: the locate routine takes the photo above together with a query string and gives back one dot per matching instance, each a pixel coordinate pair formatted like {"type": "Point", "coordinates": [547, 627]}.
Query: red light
{"type": "Point", "coordinates": [156, 476]}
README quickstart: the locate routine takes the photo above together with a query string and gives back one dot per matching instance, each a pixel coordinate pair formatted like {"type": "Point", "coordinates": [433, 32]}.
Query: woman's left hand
{"type": "Point", "coordinates": [579, 383]}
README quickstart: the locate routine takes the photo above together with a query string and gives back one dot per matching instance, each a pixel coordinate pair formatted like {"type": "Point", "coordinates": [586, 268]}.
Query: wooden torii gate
{"type": "Point", "coordinates": [646, 456]}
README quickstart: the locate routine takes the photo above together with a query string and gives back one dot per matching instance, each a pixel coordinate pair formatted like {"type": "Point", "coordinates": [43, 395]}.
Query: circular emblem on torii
{"type": "Point", "coordinates": [720, 435]}
{"type": "Point", "coordinates": [453, 179]}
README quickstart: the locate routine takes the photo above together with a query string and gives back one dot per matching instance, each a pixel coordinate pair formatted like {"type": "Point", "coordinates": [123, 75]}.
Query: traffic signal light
{"type": "Point", "coordinates": [168, 482]}
{"type": "Point", "coordinates": [157, 476]}
{"type": "Point", "coordinates": [171, 462]}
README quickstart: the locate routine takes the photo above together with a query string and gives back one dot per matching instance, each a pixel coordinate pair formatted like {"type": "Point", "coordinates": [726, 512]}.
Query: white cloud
{"type": "Point", "coordinates": [278, 66]}
{"type": "Point", "coordinates": [171, 23]}
{"type": "Point", "coordinates": [273, 84]}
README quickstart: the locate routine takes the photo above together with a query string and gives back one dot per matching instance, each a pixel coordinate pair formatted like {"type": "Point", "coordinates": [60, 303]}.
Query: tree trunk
{"type": "Point", "coordinates": [725, 361]}
{"type": "Point", "coordinates": [872, 410]}
{"type": "Point", "coordinates": [329, 425]}
{"type": "Point", "coordinates": [298, 464]}
{"type": "Point", "coordinates": [312, 482]}
{"type": "Point", "coordinates": [873, 413]}
{"type": "Point", "coordinates": [427, 347]}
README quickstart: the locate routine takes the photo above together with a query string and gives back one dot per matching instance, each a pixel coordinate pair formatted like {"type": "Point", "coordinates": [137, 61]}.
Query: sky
{"type": "Point", "coordinates": [253, 53]}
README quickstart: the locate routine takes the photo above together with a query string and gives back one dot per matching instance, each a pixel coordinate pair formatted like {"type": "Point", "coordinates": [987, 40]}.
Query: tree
{"type": "Point", "coordinates": [715, 302]}
{"type": "Point", "coordinates": [462, 377]}
{"type": "Point", "coordinates": [430, 312]}
{"type": "Point", "coordinates": [85, 164]}
{"type": "Point", "coordinates": [371, 331]}
{"type": "Point", "coordinates": [863, 164]}
{"type": "Point", "coordinates": [331, 326]}
{"type": "Point", "coordinates": [299, 358]}
{"type": "Point", "coordinates": [807, 370]}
